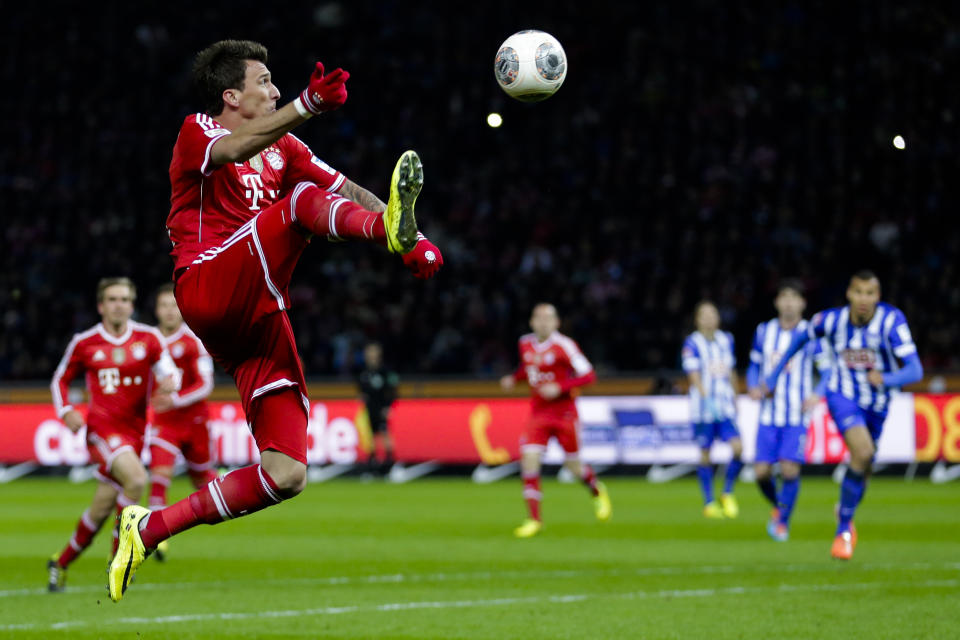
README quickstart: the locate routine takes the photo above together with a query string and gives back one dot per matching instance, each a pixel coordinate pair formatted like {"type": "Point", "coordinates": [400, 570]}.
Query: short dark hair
{"type": "Point", "coordinates": [222, 66]}
{"type": "Point", "coordinates": [865, 274]}
{"type": "Point", "coordinates": [106, 283]}
{"type": "Point", "coordinates": [166, 287]}
{"type": "Point", "coordinates": [792, 284]}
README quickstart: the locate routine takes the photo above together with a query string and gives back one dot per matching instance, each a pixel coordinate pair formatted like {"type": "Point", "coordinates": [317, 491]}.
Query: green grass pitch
{"type": "Point", "coordinates": [436, 559]}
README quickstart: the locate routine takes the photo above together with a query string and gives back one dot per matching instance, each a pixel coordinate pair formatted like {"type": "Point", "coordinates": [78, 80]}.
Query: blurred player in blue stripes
{"type": "Point", "coordinates": [868, 341]}
{"type": "Point", "coordinates": [709, 361]}
{"type": "Point", "coordinates": [782, 428]}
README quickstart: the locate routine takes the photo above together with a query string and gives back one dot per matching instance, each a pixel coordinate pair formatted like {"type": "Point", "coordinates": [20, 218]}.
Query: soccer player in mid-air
{"type": "Point", "coordinates": [553, 366]}
{"type": "Point", "coordinates": [709, 361]}
{"type": "Point", "coordinates": [866, 339]}
{"type": "Point", "coordinates": [121, 361]}
{"type": "Point", "coordinates": [180, 417]}
{"type": "Point", "coordinates": [247, 197]}
{"type": "Point", "coordinates": [782, 429]}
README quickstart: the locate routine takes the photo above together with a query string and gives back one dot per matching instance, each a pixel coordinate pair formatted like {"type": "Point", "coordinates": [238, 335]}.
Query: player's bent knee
{"type": "Point", "coordinates": [288, 475]}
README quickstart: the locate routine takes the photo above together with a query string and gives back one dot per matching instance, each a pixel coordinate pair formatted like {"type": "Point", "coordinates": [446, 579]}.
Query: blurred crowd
{"type": "Point", "coordinates": [697, 150]}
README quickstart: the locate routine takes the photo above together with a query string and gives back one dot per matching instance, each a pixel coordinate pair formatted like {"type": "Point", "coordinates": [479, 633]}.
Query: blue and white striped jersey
{"type": "Point", "coordinates": [858, 349]}
{"type": "Point", "coordinates": [784, 407]}
{"type": "Point", "coordinates": [715, 360]}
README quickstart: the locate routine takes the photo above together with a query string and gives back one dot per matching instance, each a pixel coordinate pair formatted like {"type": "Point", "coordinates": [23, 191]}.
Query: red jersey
{"type": "Point", "coordinates": [196, 373]}
{"type": "Point", "coordinates": [556, 359]}
{"type": "Point", "coordinates": [118, 371]}
{"type": "Point", "coordinates": [209, 202]}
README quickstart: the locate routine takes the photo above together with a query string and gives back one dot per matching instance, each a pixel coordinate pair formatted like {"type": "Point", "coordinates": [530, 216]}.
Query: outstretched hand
{"type": "Point", "coordinates": [325, 92]}
{"type": "Point", "coordinates": [425, 259]}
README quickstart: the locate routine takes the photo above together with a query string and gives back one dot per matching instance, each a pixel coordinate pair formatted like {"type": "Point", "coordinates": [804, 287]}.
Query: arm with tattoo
{"type": "Point", "coordinates": [352, 191]}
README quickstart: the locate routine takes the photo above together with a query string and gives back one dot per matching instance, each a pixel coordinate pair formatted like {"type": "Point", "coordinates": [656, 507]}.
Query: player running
{"type": "Point", "coordinates": [247, 196]}
{"type": "Point", "coordinates": [553, 366]}
{"type": "Point", "coordinates": [866, 339]}
{"type": "Point", "coordinates": [120, 361]}
{"type": "Point", "coordinates": [709, 362]}
{"type": "Point", "coordinates": [782, 430]}
{"type": "Point", "coordinates": [180, 417]}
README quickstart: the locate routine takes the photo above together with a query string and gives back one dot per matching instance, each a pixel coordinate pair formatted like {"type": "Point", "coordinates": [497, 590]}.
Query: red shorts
{"type": "Point", "coordinates": [104, 445]}
{"type": "Point", "coordinates": [540, 428]}
{"type": "Point", "coordinates": [234, 297]}
{"type": "Point", "coordinates": [184, 431]}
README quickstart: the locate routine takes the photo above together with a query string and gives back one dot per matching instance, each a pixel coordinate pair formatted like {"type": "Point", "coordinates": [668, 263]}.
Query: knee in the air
{"type": "Point", "coordinates": [290, 480]}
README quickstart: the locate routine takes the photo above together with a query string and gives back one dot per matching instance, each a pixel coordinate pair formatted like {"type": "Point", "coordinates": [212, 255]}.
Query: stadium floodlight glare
{"type": "Point", "coordinates": [899, 142]}
{"type": "Point", "coordinates": [494, 120]}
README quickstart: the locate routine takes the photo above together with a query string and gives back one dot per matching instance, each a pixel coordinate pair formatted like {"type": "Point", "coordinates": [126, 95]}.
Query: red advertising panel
{"type": "Point", "coordinates": [451, 431]}
{"type": "Point", "coordinates": [615, 429]}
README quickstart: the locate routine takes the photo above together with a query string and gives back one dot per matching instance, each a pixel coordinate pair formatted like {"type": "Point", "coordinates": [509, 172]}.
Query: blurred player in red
{"type": "Point", "coordinates": [247, 197]}
{"type": "Point", "coordinates": [180, 417]}
{"type": "Point", "coordinates": [553, 366]}
{"type": "Point", "coordinates": [121, 361]}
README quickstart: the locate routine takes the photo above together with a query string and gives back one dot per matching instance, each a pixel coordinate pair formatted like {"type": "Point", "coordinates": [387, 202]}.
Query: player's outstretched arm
{"type": "Point", "coordinates": [352, 191]}
{"type": "Point", "coordinates": [323, 93]}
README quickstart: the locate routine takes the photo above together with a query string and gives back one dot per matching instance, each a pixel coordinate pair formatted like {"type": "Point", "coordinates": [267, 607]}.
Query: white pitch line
{"type": "Point", "coordinates": [468, 604]}
{"type": "Point", "coordinates": [402, 578]}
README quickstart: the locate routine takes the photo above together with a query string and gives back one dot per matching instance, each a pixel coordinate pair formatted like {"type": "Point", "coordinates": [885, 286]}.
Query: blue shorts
{"type": "Point", "coordinates": [706, 432]}
{"type": "Point", "coordinates": [781, 443]}
{"type": "Point", "coordinates": [847, 413]}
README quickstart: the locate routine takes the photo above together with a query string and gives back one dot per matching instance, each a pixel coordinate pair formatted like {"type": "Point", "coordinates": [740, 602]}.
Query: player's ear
{"type": "Point", "coordinates": [231, 98]}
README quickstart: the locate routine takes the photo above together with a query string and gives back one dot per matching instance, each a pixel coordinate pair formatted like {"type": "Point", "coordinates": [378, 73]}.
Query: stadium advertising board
{"type": "Point", "coordinates": [633, 430]}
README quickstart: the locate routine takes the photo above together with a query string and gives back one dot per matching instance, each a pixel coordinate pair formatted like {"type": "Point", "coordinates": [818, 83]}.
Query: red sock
{"type": "Point", "coordinates": [158, 491]}
{"type": "Point", "coordinates": [81, 539]}
{"type": "Point", "coordinates": [590, 479]}
{"type": "Point", "coordinates": [329, 214]}
{"type": "Point", "coordinates": [239, 493]}
{"type": "Point", "coordinates": [531, 493]}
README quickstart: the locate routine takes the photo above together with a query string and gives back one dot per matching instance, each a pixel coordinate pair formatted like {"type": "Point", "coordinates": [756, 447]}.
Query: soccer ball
{"type": "Point", "coordinates": [530, 65]}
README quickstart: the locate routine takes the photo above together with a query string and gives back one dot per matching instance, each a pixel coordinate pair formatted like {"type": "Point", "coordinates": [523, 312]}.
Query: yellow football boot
{"type": "Point", "coordinates": [528, 529]}
{"type": "Point", "coordinates": [601, 503]}
{"type": "Point", "coordinates": [713, 510]}
{"type": "Point", "coordinates": [729, 505]}
{"type": "Point", "coordinates": [130, 553]}
{"type": "Point", "coordinates": [398, 219]}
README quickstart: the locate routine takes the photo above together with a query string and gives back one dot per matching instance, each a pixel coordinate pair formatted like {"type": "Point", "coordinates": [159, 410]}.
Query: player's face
{"type": "Point", "coordinates": [708, 318]}
{"type": "Point", "coordinates": [373, 356]}
{"type": "Point", "coordinates": [117, 305]}
{"type": "Point", "coordinates": [790, 304]}
{"type": "Point", "coordinates": [544, 320]}
{"type": "Point", "coordinates": [863, 296]}
{"type": "Point", "coordinates": [259, 96]}
{"type": "Point", "coordinates": [168, 313]}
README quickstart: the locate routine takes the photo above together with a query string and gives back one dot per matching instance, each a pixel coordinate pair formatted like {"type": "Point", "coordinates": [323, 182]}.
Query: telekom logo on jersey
{"type": "Point", "coordinates": [253, 184]}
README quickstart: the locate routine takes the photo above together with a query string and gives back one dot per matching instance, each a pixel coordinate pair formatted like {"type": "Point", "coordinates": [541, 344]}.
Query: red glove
{"type": "Point", "coordinates": [424, 259]}
{"type": "Point", "coordinates": [325, 92]}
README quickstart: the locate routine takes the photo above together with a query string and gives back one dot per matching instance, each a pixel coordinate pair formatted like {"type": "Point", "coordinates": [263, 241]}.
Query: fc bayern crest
{"type": "Point", "coordinates": [275, 160]}
{"type": "Point", "coordinates": [177, 350]}
{"type": "Point", "coordinates": [138, 350]}
{"type": "Point", "coordinates": [549, 358]}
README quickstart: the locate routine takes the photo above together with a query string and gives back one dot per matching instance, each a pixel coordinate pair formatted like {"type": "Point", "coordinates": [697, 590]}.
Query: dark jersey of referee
{"type": "Point", "coordinates": [378, 388]}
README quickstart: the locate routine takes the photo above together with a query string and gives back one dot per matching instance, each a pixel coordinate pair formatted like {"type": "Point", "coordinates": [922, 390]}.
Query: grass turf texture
{"type": "Point", "coordinates": [436, 559]}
